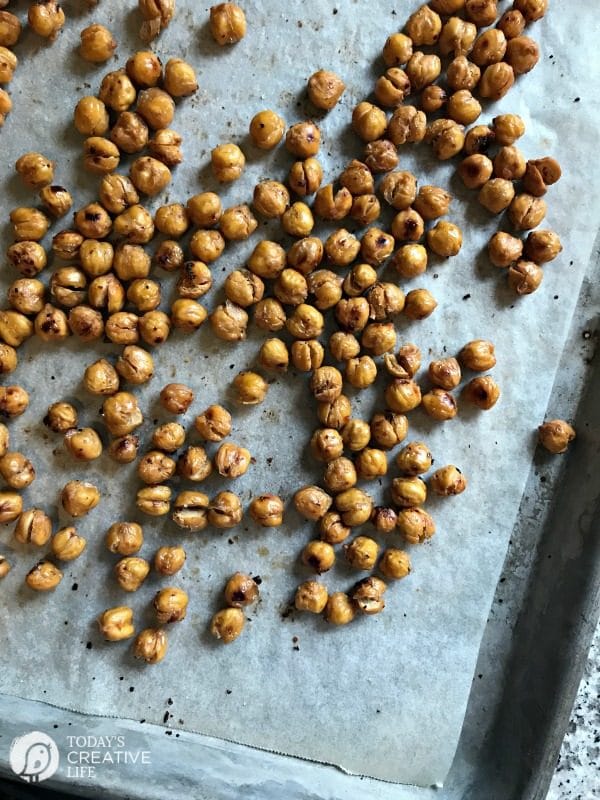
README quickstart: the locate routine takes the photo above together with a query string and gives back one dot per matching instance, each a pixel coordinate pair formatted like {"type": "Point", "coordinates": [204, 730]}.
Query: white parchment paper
{"type": "Point", "coordinates": [385, 696]}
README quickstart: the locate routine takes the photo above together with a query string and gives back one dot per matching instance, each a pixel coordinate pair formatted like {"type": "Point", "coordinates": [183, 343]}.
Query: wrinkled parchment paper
{"type": "Point", "coordinates": [385, 696]}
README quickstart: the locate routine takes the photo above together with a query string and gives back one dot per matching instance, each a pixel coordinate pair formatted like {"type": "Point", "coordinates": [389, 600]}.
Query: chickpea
{"type": "Point", "coordinates": [93, 222]}
{"type": "Point", "coordinates": [51, 324]}
{"type": "Point", "coordinates": [312, 502]}
{"type": "Point", "coordinates": [361, 278]}
{"type": "Point", "coordinates": [176, 398]}
{"type": "Point", "coordinates": [362, 553]}
{"type": "Point", "coordinates": [504, 249]}
{"type": "Point", "coordinates": [305, 177]}
{"type": "Point", "coordinates": [335, 414]}
{"type": "Point", "coordinates": [227, 23]}
{"type": "Point", "coordinates": [156, 107]}
{"type": "Point", "coordinates": [365, 209]}
{"type": "Point", "coordinates": [489, 48]}
{"type": "Point", "coordinates": [122, 328]}
{"type": "Point", "coordinates": [496, 81]}
{"type": "Point", "coordinates": [149, 175]}
{"type": "Point", "coordinates": [61, 417]}
{"type": "Point", "coordinates": [371, 463]}
{"type": "Point", "coordinates": [129, 134]}
{"type": "Point", "coordinates": [79, 498]}
{"type": "Point", "coordinates": [432, 202]}
{"type": "Point", "coordinates": [355, 506]}
{"type": "Point", "coordinates": [241, 590]}
{"type": "Point", "coordinates": [508, 128]}
{"type": "Point", "coordinates": [214, 424]}
{"type": "Point", "coordinates": [237, 223]}
{"type": "Point", "coordinates": [8, 63]}
{"type": "Point", "coordinates": [180, 78]}
{"type": "Point", "coordinates": [195, 280]}
{"type": "Point", "coordinates": [306, 322]}
{"type": "Point", "coordinates": [273, 355]}
{"type": "Point", "coordinates": [319, 556]}
{"type": "Point", "coordinates": [187, 315]}
{"type": "Point", "coordinates": [291, 287]}
{"type": "Point", "coordinates": [306, 254]}
{"type": "Point", "coordinates": [157, 15]}
{"type": "Point", "coordinates": [326, 384]}
{"type": "Point", "coordinates": [463, 108]}
{"type": "Point", "coordinates": [482, 392]}
{"type": "Point", "coordinates": [478, 140]}
{"type": "Point", "coordinates": [420, 303]}
{"type": "Point", "coordinates": [356, 434]}
{"type": "Point", "coordinates": [271, 199]}
{"type": "Point", "coordinates": [207, 246]}
{"type": "Point", "coordinates": [225, 510]}
{"type": "Point", "coordinates": [251, 388]}
{"type": "Point", "coordinates": [526, 212]}
{"type": "Point", "coordinates": [540, 174]}
{"type": "Point", "coordinates": [381, 156]}
{"type": "Point", "coordinates": [445, 135]}
{"type": "Point", "coordinates": [509, 163]}
{"type": "Point", "coordinates": [476, 171]}
{"type": "Point", "coordinates": [91, 116]}
{"type": "Point", "coordinates": [266, 129]}
{"type": "Point", "coordinates": [297, 220]}
{"type": "Point", "coordinates": [457, 37]}
{"type": "Point", "coordinates": [424, 26]}
{"type": "Point", "coordinates": [131, 572]}
{"type": "Point", "coordinates": [26, 296]}
{"type": "Point", "coordinates": [118, 92]}
{"type": "Point", "coordinates": [511, 23]}
{"type": "Point", "coordinates": [384, 519]}
{"type": "Point", "coordinates": [367, 595]}
{"type": "Point", "coordinates": [29, 258]}
{"type": "Point", "coordinates": [151, 645]}
{"type": "Point", "coordinates": [267, 510]}
{"type": "Point", "coordinates": [433, 98]}
{"type": "Point", "coordinates": [228, 162]}
{"type": "Point", "coordinates": [376, 246]}
{"type": "Point", "coordinates": [410, 260]}
{"type": "Point", "coordinates": [339, 475]}
{"type": "Point", "coordinates": [311, 596]}
{"type": "Point", "coordinates": [448, 481]}
{"type": "Point", "coordinates": [388, 429]}
{"type": "Point", "coordinates": [399, 189]}
{"type": "Point", "coordinates": [121, 413]}
{"type": "Point", "coordinates": [229, 322]}
{"type": "Point", "coordinates": [46, 18]}
{"type": "Point", "coordinates": [556, 436]}
{"type": "Point", "coordinates": [116, 623]}
{"type": "Point", "coordinates": [5, 567]}
{"type": "Point", "coordinates": [340, 609]}
{"type": "Point", "coordinates": [326, 444]}
{"type": "Point", "coordinates": [392, 88]}
{"type": "Point", "coordinates": [83, 444]}
{"type": "Point", "coordinates": [408, 225]}
{"type": "Point", "coordinates": [8, 359]}
{"type": "Point", "coordinates": [407, 124]}
{"type": "Point", "coordinates": [525, 277]}
{"type": "Point", "coordinates": [423, 69]}
{"type": "Point", "coordinates": [445, 239]}
{"type": "Point", "coordinates": [307, 355]}
{"type": "Point", "coordinates": [154, 500]}
{"type": "Point", "coordinates": [497, 195]}
{"type": "Point", "coordinates": [478, 355]}
{"type": "Point", "coordinates": [11, 506]}
{"type": "Point", "coordinates": [379, 337]}
{"type": "Point", "coordinates": [397, 49]}
{"type": "Point", "coordinates": [369, 121]}
{"type": "Point", "coordinates": [35, 170]}
{"type": "Point", "coordinates": [191, 510]}
{"type": "Point", "coordinates": [522, 53]}
{"type": "Point", "coordinates": [440, 404]}
{"type": "Point", "coordinates": [303, 139]}
{"type": "Point", "coordinates": [227, 624]}
{"type": "Point", "coordinates": [68, 286]}
{"type": "Point", "coordinates": [13, 401]}
{"type": "Point", "coordinates": [101, 378]}
{"type": "Point", "coordinates": [97, 44]}
{"type": "Point", "coordinates": [409, 491]}
{"type": "Point", "coordinates": [155, 467]}
{"type": "Point", "coordinates": [57, 200]}
{"type": "Point", "coordinates": [415, 524]}
{"type": "Point", "coordinates": [124, 538]}
{"type": "Point", "coordinates": [395, 564]}
{"type": "Point", "coordinates": [169, 437]}
{"type": "Point", "coordinates": [481, 12]}
{"type": "Point", "coordinates": [5, 106]}
{"type": "Point", "coordinates": [145, 295]}
{"type": "Point", "coordinates": [414, 459]}
{"type": "Point", "coordinates": [10, 28]}
{"type": "Point", "coordinates": [326, 287]}
{"type": "Point", "coordinates": [33, 527]}
{"type": "Point", "coordinates": [29, 224]}
{"type": "Point", "coordinates": [124, 449]}
{"type": "Point", "coordinates": [543, 246]}
{"type": "Point", "coordinates": [353, 314]}
{"type": "Point", "coordinates": [117, 194]}
{"type": "Point", "coordinates": [232, 461]}
{"type": "Point", "coordinates": [532, 10]}
{"type": "Point", "coordinates": [44, 577]}
{"type": "Point", "coordinates": [325, 89]}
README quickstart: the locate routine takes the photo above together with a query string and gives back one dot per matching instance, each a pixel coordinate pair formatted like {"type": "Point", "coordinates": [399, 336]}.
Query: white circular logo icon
{"type": "Point", "coordinates": [34, 757]}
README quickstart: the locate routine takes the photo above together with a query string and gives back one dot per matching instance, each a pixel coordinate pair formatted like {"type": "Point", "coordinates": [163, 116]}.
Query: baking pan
{"type": "Point", "coordinates": [530, 664]}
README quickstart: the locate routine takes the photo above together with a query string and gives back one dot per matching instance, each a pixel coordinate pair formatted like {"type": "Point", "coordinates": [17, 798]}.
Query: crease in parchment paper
{"type": "Point", "coordinates": [384, 697]}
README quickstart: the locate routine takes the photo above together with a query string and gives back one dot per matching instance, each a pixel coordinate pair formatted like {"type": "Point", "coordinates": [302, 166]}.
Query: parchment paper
{"type": "Point", "coordinates": [385, 696]}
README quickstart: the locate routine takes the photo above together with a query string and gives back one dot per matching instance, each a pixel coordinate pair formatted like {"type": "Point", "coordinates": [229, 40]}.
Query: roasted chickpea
{"type": "Point", "coordinates": [291, 287]}
{"type": "Point", "coordinates": [423, 69]}
{"type": "Point", "coordinates": [446, 136]}
{"type": "Point", "coordinates": [46, 18]}
{"type": "Point", "coordinates": [122, 328]}
{"type": "Point", "coordinates": [524, 277]}
{"type": "Point", "coordinates": [522, 53]}
{"type": "Point", "coordinates": [131, 572]}
{"type": "Point", "coordinates": [10, 28]}
{"type": "Point", "coordinates": [410, 260]}
{"type": "Point", "coordinates": [61, 417]}
{"type": "Point", "coordinates": [170, 605]}
{"type": "Point", "coordinates": [187, 315]}
{"type": "Point", "coordinates": [67, 544]}
{"type": "Point", "coordinates": [406, 363]}
{"type": "Point", "coordinates": [432, 202]}
{"type": "Point", "coordinates": [508, 128]}
{"type": "Point", "coordinates": [464, 109]}
{"type": "Point", "coordinates": [402, 395]}
{"type": "Point", "coordinates": [305, 322]}
{"type": "Point", "coordinates": [392, 88]}
{"type": "Point", "coordinates": [35, 170]}
{"type": "Point", "coordinates": [29, 258]}
{"type": "Point", "coordinates": [307, 355]}
{"type": "Point", "coordinates": [44, 577]}
{"type": "Point", "coordinates": [371, 463]}
{"type": "Point", "coordinates": [326, 444]}
{"type": "Point", "coordinates": [312, 502]}
{"type": "Point", "coordinates": [83, 444]}
{"type": "Point", "coordinates": [298, 220]}
{"type": "Point", "coordinates": [440, 404]}
{"type": "Point", "coordinates": [433, 98]}
{"type": "Point", "coordinates": [542, 246]}
{"type": "Point", "coordinates": [144, 294]}
{"type": "Point", "coordinates": [361, 553]}
{"type": "Point", "coordinates": [496, 81]}
{"type": "Point", "coordinates": [51, 324]}
{"type": "Point", "coordinates": [225, 510]}
{"type": "Point", "coordinates": [407, 124]}
{"type": "Point", "coordinates": [340, 609]}
{"type": "Point", "coordinates": [121, 413]}
{"type": "Point", "coordinates": [476, 171]}
{"type": "Point", "coordinates": [155, 467]}
{"type": "Point", "coordinates": [195, 280]}
{"type": "Point", "coordinates": [91, 116]}
{"type": "Point", "coordinates": [361, 278]}
{"type": "Point", "coordinates": [511, 23]}
{"type": "Point", "coordinates": [482, 392]}
{"type": "Point", "coordinates": [325, 286]}
{"type": "Point", "coordinates": [250, 387]}
{"type": "Point", "coordinates": [355, 507]}
{"type": "Point", "coordinates": [124, 538]}
{"type": "Point", "coordinates": [397, 49]}
{"type": "Point", "coordinates": [241, 590]}
{"type": "Point", "coordinates": [394, 564]}
{"type": "Point", "coordinates": [489, 48]}
{"type": "Point", "coordinates": [273, 355]}
{"type": "Point", "coordinates": [97, 44]}
{"type": "Point", "coordinates": [26, 295]}
{"type": "Point", "coordinates": [29, 224]}
{"type": "Point", "coordinates": [353, 314]}
{"type": "Point", "coordinates": [384, 519]}
{"type": "Point", "coordinates": [497, 195]}
{"type": "Point", "coordinates": [237, 223]}
{"type": "Point", "coordinates": [79, 498]}
{"type": "Point", "coordinates": [231, 460]}
{"type": "Point", "coordinates": [151, 645]}
{"type": "Point", "coordinates": [156, 107]}
{"type": "Point", "coordinates": [419, 304]}
{"type": "Point", "coordinates": [365, 209]}
{"type": "Point", "coordinates": [180, 78]}
{"type": "Point", "coordinates": [129, 134]}
{"type": "Point", "coordinates": [207, 246]}
{"type": "Point", "coordinates": [369, 121]}
{"type": "Point", "coordinates": [445, 239]}
{"type": "Point", "coordinates": [266, 129]}
{"type": "Point", "coordinates": [176, 398]}
{"type": "Point", "coordinates": [191, 510]}
{"type": "Point", "coordinates": [556, 436]}
{"type": "Point", "coordinates": [457, 37]}
{"type": "Point", "coordinates": [118, 92]}
{"type": "Point", "coordinates": [415, 524]}
{"type": "Point", "coordinates": [169, 437]}
{"type": "Point", "coordinates": [228, 162]}
{"type": "Point", "coordinates": [311, 596]}
{"type": "Point", "coordinates": [15, 328]}
{"type": "Point", "coordinates": [376, 246]}
{"type": "Point", "coordinates": [124, 449]}
{"type": "Point", "coordinates": [356, 434]}
{"type": "Point", "coordinates": [227, 23]}
{"type": "Point", "coordinates": [270, 199]}
{"type": "Point", "coordinates": [227, 624]}
{"type": "Point", "coordinates": [325, 89]}
{"type": "Point", "coordinates": [409, 491]}
{"type": "Point", "coordinates": [504, 249]}
{"type": "Point", "coordinates": [33, 527]}
{"type": "Point", "coordinates": [305, 177]}
{"type": "Point", "coordinates": [526, 212]}
{"type": "Point", "coordinates": [389, 429]}
{"type": "Point", "coordinates": [381, 156]}
{"type": "Point", "coordinates": [448, 481]}
{"type": "Point", "coordinates": [335, 414]}
{"type": "Point", "coordinates": [116, 623]}
{"type": "Point", "coordinates": [11, 505]}
{"type": "Point", "coordinates": [414, 459]}
{"type": "Point", "coordinates": [154, 500]}
{"type": "Point", "coordinates": [339, 475]}
{"type": "Point", "coordinates": [8, 360]}
{"type": "Point", "coordinates": [229, 322]}
{"type": "Point", "coordinates": [408, 225]}
{"type": "Point", "coordinates": [319, 556]}
{"type": "Point", "coordinates": [5, 106]}
{"type": "Point", "coordinates": [267, 510]}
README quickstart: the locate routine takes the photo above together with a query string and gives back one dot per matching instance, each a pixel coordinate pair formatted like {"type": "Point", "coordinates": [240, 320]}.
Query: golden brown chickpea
{"type": "Point", "coordinates": [479, 138]}
{"type": "Point", "coordinates": [432, 202]}
{"type": "Point", "coordinates": [306, 322]}
{"type": "Point", "coordinates": [423, 69]}
{"type": "Point", "coordinates": [307, 355]}
{"type": "Point", "coordinates": [97, 44]}
{"type": "Point", "coordinates": [508, 128]}
{"type": "Point", "coordinates": [29, 258]}
{"type": "Point", "coordinates": [420, 304]}
{"type": "Point", "coordinates": [204, 209]}
{"type": "Point", "coordinates": [365, 209]}
{"type": "Point", "coordinates": [340, 609]}
{"type": "Point", "coordinates": [509, 163]}
{"type": "Point", "coordinates": [228, 162]}
{"type": "Point", "coordinates": [392, 88]}
{"type": "Point", "coordinates": [305, 177]}
{"type": "Point", "coordinates": [66, 244]}
{"type": "Point", "coordinates": [229, 322]}
{"type": "Point", "coordinates": [68, 286]}
{"type": "Point", "coordinates": [532, 10]}
{"type": "Point", "coordinates": [415, 524]}
{"type": "Point", "coordinates": [445, 373]}
{"type": "Point", "coordinates": [67, 544]}
{"type": "Point", "coordinates": [195, 280]}
{"type": "Point", "coordinates": [540, 174]}
{"type": "Point", "coordinates": [131, 572]}
{"type": "Point", "coordinates": [155, 467]}
{"type": "Point", "coordinates": [44, 577]}
{"type": "Point", "coordinates": [463, 108]}
{"type": "Point", "coordinates": [83, 444]}
{"type": "Point", "coordinates": [476, 171]}
{"type": "Point", "coordinates": [522, 53]}
{"type": "Point", "coordinates": [26, 295]}
{"type": "Point", "coordinates": [355, 507]}
{"type": "Point", "coordinates": [389, 429]}
{"type": "Point", "coordinates": [312, 502]}
{"type": "Point", "coordinates": [176, 398]}
{"type": "Point", "coordinates": [356, 434]}
{"type": "Point", "coordinates": [116, 623]}
{"type": "Point", "coordinates": [481, 12]}
{"type": "Point", "coordinates": [170, 605]}
{"type": "Point", "coordinates": [303, 139]}
{"type": "Point", "coordinates": [311, 596]}
{"type": "Point", "coordinates": [326, 444]}
{"type": "Point", "coordinates": [227, 23]}
{"type": "Point", "coordinates": [35, 170]}
{"type": "Point", "coordinates": [457, 37]}
{"type": "Point", "coordinates": [225, 510]}
{"type": "Point", "coordinates": [270, 199]}
{"type": "Point", "coordinates": [381, 155]}
{"type": "Point", "coordinates": [336, 414]}
{"type": "Point", "coordinates": [448, 481]}
{"type": "Point", "coordinates": [446, 136]}
{"type": "Point", "coordinates": [524, 277]}
{"type": "Point", "coordinates": [191, 510]}
{"type": "Point", "coordinates": [57, 200]}
{"type": "Point", "coordinates": [462, 74]}
{"type": "Point", "coordinates": [369, 121]}
{"type": "Point", "coordinates": [445, 239]}
{"type": "Point", "coordinates": [187, 315]}
{"type": "Point", "coordinates": [414, 459]}
{"type": "Point", "coordinates": [46, 18]}
{"type": "Point", "coordinates": [144, 294]}
{"type": "Point", "coordinates": [361, 553]}
{"type": "Point", "coordinates": [408, 226]}
{"type": "Point", "coordinates": [122, 328]}
{"type": "Point", "coordinates": [353, 314]}
{"type": "Point", "coordinates": [10, 28]}
{"type": "Point", "coordinates": [367, 595]}
{"type": "Point", "coordinates": [231, 460]}
{"type": "Point", "coordinates": [129, 134]}
{"type": "Point", "coordinates": [526, 212]}
{"type": "Point", "coordinates": [29, 224]}
{"type": "Point", "coordinates": [121, 413]}
{"type": "Point", "coordinates": [101, 378]}
{"type": "Point", "coordinates": [556, 436]}
{"type": "Point", "coordinates": [151, 645]}
{"type": "Point", "coordinates": [86, 323]}
{"type": "Point", "coordinates": [384, 519]}
{"type": "Point", "coordinates": [496, 195]}
{"type": "Point", "coordinates": [297, 220]}
{"type": "Point", "coordinates": [266, 129]}
{"type": "Point", "coordinates": [357, 178]}
{"type": "Point", "coordinates": [91, 116]}
{"type": "Point", "coordinates": [326, 287]}
{"type": "Point", "coordinates": [410, 260]}
{"type": "Point", "coordinates": [51, 324]}
{"type": "Point", "coordinates": [409, 491]}
{"type": "Point", "coordinates": [237, 223]}
{"type": "Point", "coordinates": [394, 564]}
{"type": "Point", "coordinates": [117, 91]}
{"type": "Point", "coordinates": [154, 500]}
{"type": "Point", "coordinates": [305, 255]}
{"type": "Point", "coordinates": [273, 355]}
{"type": "Point", "coordinates": [227, 624]}
{"type": "Point", "coordinates": [361, 278]}
{"type": "Point", "coordinates": [8, 360]}
{"type": "Point", "coordinates": [157, 14]}
{"type": "Point", "coordinates": [79, 498]}
{"type": "Point", "coordinates": [173, 221]}
{"type": "Point", "coordinates": [511, 23]}
{"type": "Point", "coordinates": [496, 81]}
{"type": "Point", "coordinates": [379, 337]}
{"type": "Point", "coordinates": [319, 556]}
{"type": "Point", "coordinates": [93, 222]}
{"type": "Point", "coordinates": [376, 246]}
{"type": "Point", "coordinates": [207, 246]}
{"type": "Point", "coordinates": [478, 355]}
{"type": "Point", "coordinates": [482, 392]}
{"type": "Point", "coordinates": [241, 590]}
{"type": "Point", "coordinates": [399, 189]}
{"type": "Point", "coordinates": [243, 288]}
{"type": "Point", "coordinates": [214, 424]}
{"type": "Point", "coordinates": [33, 527]}
{"type": "Point", "coordinates": [371, 463]}
{"type": "Point", "coordinates": [407, 124]}
{"type": "Point", "coordinates": [291, 287]}
{"type": "Point", "coordinates": [180, 78]}
{"type": "Point", "coordinates": [402, 395]}
{"type": "Point", "coordinates": [424, 26]}
{"type": "Point", "coordinates": [433, 98]}
{"type": "Point", "coordinates": [489, 48]}
{"type": "Point", "coordinates": [504, 249]}
{"type": "Point", "coordinates": [543, 246]}
{"type": "Point", "coordinates": [332, 529]}
{"type": "Point", "coordinates": [149, 175]}
{"type": "Point", "coordinates": [339, 475]}
{"type": "Point", "coordinates": [325, 89]}
{"type": "Point", "coordinates": [440, 404]}
{"type": "Point", "coordinates": [267, 510]}
{"type": "Point", "coordinates": [250, 387]}
{"type": "Point", "coordinates": [15, 328]}
{"type": "Point", "coordinates": [169, 437]}
{"type": "Point", "coordinates": [124, 538]}
{"type": "Point", "coordinates": [11, 505]}
{"type": "Point", "coordinates": [135, 365]}
{"type": "Point", "coordinates": [61, 417]}
{"type": "Point", "coordinates": [397, 49]}
{"type": "Point", "coordinates": [156, 107]}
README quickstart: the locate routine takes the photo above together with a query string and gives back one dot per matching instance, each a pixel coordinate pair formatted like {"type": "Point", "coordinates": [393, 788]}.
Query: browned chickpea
{"type": "Point", "coordinates": [526, 212]}
{"type": "Point", "coordinates": [525, 277]}
{"type": "Point", "coordinates": [305, 177]}
{"type": "Point", "coordinates": [122, 328]}
{"type": "Point", "coordinates": [250, 387]}
{"type": "Point", "coordinates": [540, 174]}
{"type": "Point", "coordinates": [355, 507]}
{"type": "Point", "coordinates": [306, 322]}
{"type": "Point", "coordinates": [409, 491]}
{"type": "Point", "coordinates": [399, 189]}
{"type": "Point", "coordinates": [489, 48]}
{"type": "Point", "coordinates": [522, 53]}
{"type": "Point", "coordinates": [8, 360]}
{"type": "Point", "coordinates": [176, 398]}
{"type": "Point", "coordinates": [424, 26]}
{"type": "Point", "coordinates": [14, 400]}
{"type": "Point", "coordinates": [121, 413]}
{"type": "Point", "coordinates": [273, 355]}
{"type": "Point", "coordinates": [170, 605]}
{"type": "Point", "coordinates": [481, 12]}
{"type": "Point", "coordinates": [16, 470]}
{"type": "Point", "coordinates": [117, 91]}
{"type": "Point", "coordinates": [341, 247]}
{"type": "Point", "coordinates": [79, 498]}
{"type": "Point", "coordinates": [106, 292]}
{"type": "Point", "coordinates": [66, 244]}
{"type": "Point", "coordinates": [241, 590]}
{"type": "Point", "coordinates": [357, 178]}
{"type": "Point", "coordinates": [543, 246]}
{"type": "Point", "coordinates": [214, 424]}
{"type": "Point", "coordinates": [353, 314]}
{"type": "Point", "coordinates": [180, 78]}
{"type": "Point", "coordinates": [457, 37]}
{"type": "Point", "coordinates": [51, 324]}
{"type": "Point", "coordinates": [462, 74]}
{"type": "Point", "coordinates": [129, 134]}
{"type": "Point", "coordinates": [326, 287]}
{"type": "Point", "coordinates": [229, 322]}
{"type": "Point", "coordinates": [511, 23]}
{"type": "Point", "coordinates": [336, 414]}
{"type": "Point", "coordinates": [155, 467]}
{"type": "Point", "coordinates": [414, 459]}
{"type": "Point", "coordinates": [46, 18]}
{"type": "Point", "coordinates": [61, 417]}
{"type": "Point", "coordinates": [5, 567]}
{"type": "Point", "coordinates": [319, 556]}
{"type": "Point", "coordinates": [151, 643]}
{"type": "Point", "coordinates": [395, 564]}
{"type": "Point", "coordinates": [135, 365]}
{"type": "Point", "coordinates": [407, 124]}
{"type": "Point", "coordinates": [496, 81]}
{"type": "Point", "coordinates": [26, 295]}
{"type": "Point", "coordinates": [267, 510]}
{"type": "Point", "coordinates": [97, 44]}
{"type": "Point", "coordinates": [389, 429]}
{"type": "Point", "coordinates": [423, 69]}
{"type": "Point", "coordinates": [381, 155]}
{"type": "Point", "coordinates": [433, 98]}
{"type": "Point", "coordinates": [91, 116]}
{"type": "Point", "coordinates": [379, 337]}
{"type": "Point", "coordinates": [432, 202]}
{"type": "Point", "coordinates": [361, 553]}
{"type": "Point", "coordinates": [478, 355]}
{"type": "Point", "coordinates": [445, 373]}
{"type": "Point", "coordinates": [360, 279]}
{"type": "Point", "coordinates": [35, 170]}
{"type": "Point", "coordinates": [156, 107]}
{"type": "Point", "coordinates": [402, 395]}
{"type": "Point", "coordinates": [29, 224]}
{"type": "Point", "coordinates": [29, 258]}
{"type": "Point", "coordinates": [410, 260]}
{"type": "Point", "coordinates": [369, 121]}
{"type": "Point", "coordinates": [339, 475]}
{"type": "Point", "coordinates": [195, 280]}
{"type": "Point", "coordinates": [397, 49]}
{"type": "Point", "coordinates": [44, 577]}
{"type": "Point", "coordinates": [408, 225]}
{"type": "Point", "coordinates": [476, 171]}
{"type": "Point", "coordinates": [326, 444]}
{"type": "Point", "coordinates": [243, 287]}
{"type": "Point", "coordinates": [204, 209]}
{"type": "Point", "coordinates": [231, 460]}
{"type": "Point", "coordinates": [325, 89]}
{"type": "Point", "coordinates": [446, 136]}
{"type": "Point", "coordinates": [67, 545]}
{"type": "Point", "coordinates": [445, 239]}
{"type": "Point", "coordinates": [392, 88]}
{"type": "Point", "coordinates": [497, 195]}
{"type": "Point", "coordinates": [367, 595]}
{"type": "Point", "coordinates": [376, 246]}
{"type": "Point", "coordinates": [10, 28]}
{"type": "Point", "coordinates": [448, 481]}
{"type": "Point", "coordinates": [116, 623]}
{"type": "Point", "coordinates": [154, 500]}
{"type": "Point", "coordinates": [237, 223]}
{"type": "Point", "coordinates": [83, 444]}
{"type": "Point", "coordinates": [365, 209]}
{"type": "Point", "coordinates": [266, 129]}
{"type": "Point", "coordinates": [371, 463]}
{"type": "Point", "coordinates": [194, 464]}
{"type": "Point", "coordinates": [307, 355]}
{"type": "Point", "coordinates": [227, 23]}
{"type": "Point", "coordinates": [312, 502]}
{"type": "Point", "coordinates": [482, 392]}
{"type": "Point", "coordinates": [187, 315]}
{"type": "Point", "coordinates": [225, 510]}
{"type": "Point", "coordinates": [504, 249]}
{"type": "Point", "coordinates": [356, 434]}
{"type": "Point", "coordinates": [303, 139]}
{"type": "Point", "coordinates": [556, 435]}
{"type": "Point", "coordinates": [11, 505]}
{"type": "Point", "coordinates": [131, 572]}
{"type": "Point", "coordinates": [415, 525]}
{"type": "Point", "coordinates": [384, 519]}
{"type": "Point", "coordinates": [508, 128]}
{"type": "Point", "coordinates": [463, 108]}
{"type": "Point", "coordinates": [419, 304]}
{"type": "Point", "coordinates": [440, 404]}
{"type": "Point", "coordinates": [305, 255]}
{"type": "Point", "coordinates": [532, 10]}
{"type": "Point", "coordinates": [15, 328]}
{"type": "Point", "coordinates": [5, 106]}
{"type": "Point", "coordinates": [149, 175]}
{"type": "Point", "coordinates": [144, 294]}
{"type": "Point", "coordinates": [191, 510]}
{"type": "Point", "coordinates": [228, 623]}
{"type": "Point", "coordinates": [298, 220]}
{"type": "Point", "coordinates": [270, 199]}
{"type": "Point", "coordinates": [340, 609]}
{"type": "Point", "coordinates": [207, 246]}
{"type": "Point", "coordinates": [311, 596]}
{"type": "Point", "coordinates": [169, 437]}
